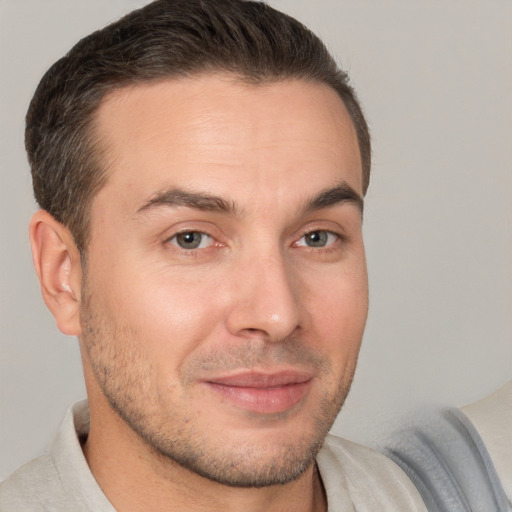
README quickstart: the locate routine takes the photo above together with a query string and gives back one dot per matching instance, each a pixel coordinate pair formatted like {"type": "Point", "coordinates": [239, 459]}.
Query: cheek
{"type": "Point", "coordinates": [338, 305]}
{"type": "Point", "coordinates": [168, 311]}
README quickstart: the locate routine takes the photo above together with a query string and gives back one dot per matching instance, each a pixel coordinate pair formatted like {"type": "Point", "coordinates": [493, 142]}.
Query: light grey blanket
{"type": "Point", "coordinates": [449, 464]}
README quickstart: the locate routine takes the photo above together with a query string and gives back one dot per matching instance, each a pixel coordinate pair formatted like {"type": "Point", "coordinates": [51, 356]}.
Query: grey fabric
{"type": "Point", "coordinates": [492, 418]}
{"type": "Point", "coordinates": [449, 464]}
{"type": "Point", "coordinates": [356, 478]}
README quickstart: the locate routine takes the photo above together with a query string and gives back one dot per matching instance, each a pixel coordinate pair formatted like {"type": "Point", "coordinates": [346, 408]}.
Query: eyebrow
{"type": "Point", "coordinates": [342, 193]}
{"type": "Point", "coordinates": [176, 197]}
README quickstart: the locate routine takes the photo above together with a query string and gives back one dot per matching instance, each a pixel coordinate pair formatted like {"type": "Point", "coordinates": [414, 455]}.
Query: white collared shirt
{"type": "Point", "coordinates": [355, 478]}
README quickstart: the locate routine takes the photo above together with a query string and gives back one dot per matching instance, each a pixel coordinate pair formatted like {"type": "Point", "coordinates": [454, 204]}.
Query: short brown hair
{"type": "Point", "coordinates": [166, 38]}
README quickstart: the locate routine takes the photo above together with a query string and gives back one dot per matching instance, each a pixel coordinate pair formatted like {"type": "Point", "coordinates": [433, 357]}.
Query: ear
{"type": "Point", "coordinates": [57, 263]}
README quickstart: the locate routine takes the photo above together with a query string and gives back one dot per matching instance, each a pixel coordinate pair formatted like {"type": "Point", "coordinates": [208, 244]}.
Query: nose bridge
{"type": "Point", "coordinates": [266, 298]}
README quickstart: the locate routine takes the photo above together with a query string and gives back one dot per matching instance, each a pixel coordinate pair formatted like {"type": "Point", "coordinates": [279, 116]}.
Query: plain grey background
{"type": "Point", "coordinates": [435, 79]}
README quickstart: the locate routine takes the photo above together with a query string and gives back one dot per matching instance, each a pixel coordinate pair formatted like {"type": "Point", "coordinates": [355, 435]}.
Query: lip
{"type": "Point", "coordinates": [263, 393]}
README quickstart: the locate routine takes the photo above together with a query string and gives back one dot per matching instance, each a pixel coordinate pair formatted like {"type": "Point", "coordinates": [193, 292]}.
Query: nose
{"type": "Point", "coordinates": [266, 301]}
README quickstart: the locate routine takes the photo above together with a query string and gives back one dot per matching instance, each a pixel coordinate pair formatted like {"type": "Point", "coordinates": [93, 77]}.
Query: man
{"type": "Point", "coordinates": [200, 168]}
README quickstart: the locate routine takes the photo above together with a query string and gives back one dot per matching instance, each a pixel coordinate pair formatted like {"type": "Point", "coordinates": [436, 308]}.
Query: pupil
{"type": "Point", "coordinates": [189, 240]}
{"type": "Point", "coordinates": [317, 239]}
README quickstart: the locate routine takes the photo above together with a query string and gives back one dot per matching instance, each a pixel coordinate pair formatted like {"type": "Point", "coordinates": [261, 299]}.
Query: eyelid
{"type": "Point", "coordinates": [189, 226]}
{"type": "Point", "coordinates": [333, 226]}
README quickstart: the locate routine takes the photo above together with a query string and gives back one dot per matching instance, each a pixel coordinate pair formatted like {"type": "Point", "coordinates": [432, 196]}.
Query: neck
{"type": "Point", "coordinates": [135, 478]}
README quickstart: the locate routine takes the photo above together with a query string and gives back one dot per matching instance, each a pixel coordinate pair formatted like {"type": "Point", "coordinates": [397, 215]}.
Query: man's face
{"type": "Point", "coordinates": [226, 293]}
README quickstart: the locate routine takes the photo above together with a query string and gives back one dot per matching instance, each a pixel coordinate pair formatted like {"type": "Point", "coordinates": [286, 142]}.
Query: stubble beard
{"type": "Point", "coordinates": [125, 377]}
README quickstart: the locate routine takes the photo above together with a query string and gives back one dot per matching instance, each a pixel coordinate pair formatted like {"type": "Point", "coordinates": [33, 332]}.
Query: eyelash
{"type": "Point", "coordinates": [333, 240]}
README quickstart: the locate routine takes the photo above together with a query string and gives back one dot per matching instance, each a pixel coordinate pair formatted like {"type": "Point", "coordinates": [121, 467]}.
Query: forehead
{"type": "Point", "coordinates": [216, 133]}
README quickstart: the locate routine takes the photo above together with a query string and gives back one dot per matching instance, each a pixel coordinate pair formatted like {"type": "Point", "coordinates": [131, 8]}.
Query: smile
{"type": "Point", "coordinates": [263, 393]}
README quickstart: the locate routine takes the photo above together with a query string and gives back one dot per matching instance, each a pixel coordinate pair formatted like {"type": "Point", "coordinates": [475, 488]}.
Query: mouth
{"type": "Point", "coordinates": [263, 393]}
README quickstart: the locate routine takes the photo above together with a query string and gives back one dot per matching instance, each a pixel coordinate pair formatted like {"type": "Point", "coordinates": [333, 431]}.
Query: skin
{"type": "Point", "coordinates": [224, 296]}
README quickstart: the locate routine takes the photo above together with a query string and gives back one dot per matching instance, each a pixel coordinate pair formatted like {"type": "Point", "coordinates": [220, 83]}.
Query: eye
{"type": "Point", "coordinates": [319, 238]}
{"type": "Point", "coordinates": [191, 240]}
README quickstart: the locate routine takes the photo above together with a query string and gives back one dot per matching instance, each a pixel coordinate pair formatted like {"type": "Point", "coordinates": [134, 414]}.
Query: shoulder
{"type": "Point", "coordinates": [492, 418]}
{"type": "Point", "coordinates": [29, 487]}
{"type": "Point", "coordinates": [60, 480]}
{"type": "Point", "coordinates": [373, 481]}
{"type": "Point", "coordinates": [447, 460]}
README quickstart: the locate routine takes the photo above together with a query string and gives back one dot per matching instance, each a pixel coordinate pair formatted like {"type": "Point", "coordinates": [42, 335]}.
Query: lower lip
{"type": "Point", "coordinates": [267, 400]}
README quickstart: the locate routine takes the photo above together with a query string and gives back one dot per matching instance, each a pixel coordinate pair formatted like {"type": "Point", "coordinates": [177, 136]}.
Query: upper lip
{"type": "Point", "coordinates": [254, 379]}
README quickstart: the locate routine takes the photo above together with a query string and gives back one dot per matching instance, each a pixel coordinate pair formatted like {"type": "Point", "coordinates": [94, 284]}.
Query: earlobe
{"type": "Point", "coordinates": [57, 264]}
